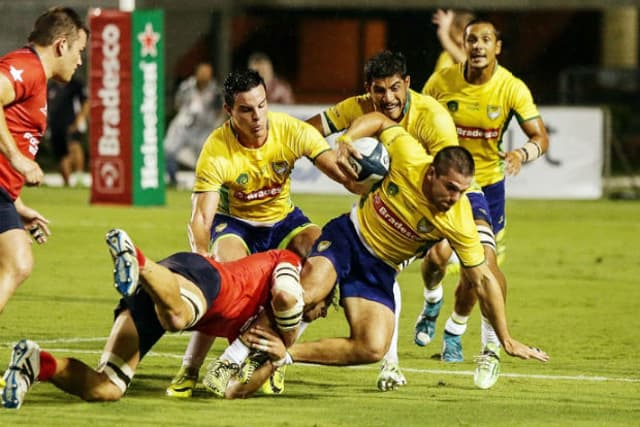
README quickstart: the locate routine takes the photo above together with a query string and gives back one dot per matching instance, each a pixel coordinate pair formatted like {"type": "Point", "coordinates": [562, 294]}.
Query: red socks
{"type": "Point", "coordinates": [48, 366]}
{"type": "Point", "coordinates": [141, 258]}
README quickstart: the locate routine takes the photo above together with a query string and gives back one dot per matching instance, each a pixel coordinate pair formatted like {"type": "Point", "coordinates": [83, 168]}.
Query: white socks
{"type": "Point", "coordinates": [488, 333]}
{"type": "Point", "coordinates": [392, 353]}
{"type": "Point", "coordinates": [456, 324]}
{"type": "Point", "coordinates": [433, 295]}
{"type": "Point", "coordinates": [236, 352]}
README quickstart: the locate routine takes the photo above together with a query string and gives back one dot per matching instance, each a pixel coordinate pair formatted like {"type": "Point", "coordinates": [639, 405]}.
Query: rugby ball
{"type": "Point", "coordinates": [374, 164]}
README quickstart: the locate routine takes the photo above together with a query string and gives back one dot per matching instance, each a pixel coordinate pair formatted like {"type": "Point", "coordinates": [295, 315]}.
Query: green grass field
{"type": "Point", "coordinates": [574, 275]}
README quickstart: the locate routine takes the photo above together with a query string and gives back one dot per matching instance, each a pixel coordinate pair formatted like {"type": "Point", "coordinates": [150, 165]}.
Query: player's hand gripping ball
{"type": "Point", "coordinates": [374, 164]}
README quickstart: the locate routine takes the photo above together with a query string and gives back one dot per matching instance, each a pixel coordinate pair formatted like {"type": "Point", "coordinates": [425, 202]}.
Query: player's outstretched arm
{"type": "Point", "coordinates": [492, 306]}
{"type": "Point", "coordinates": [444, 20]}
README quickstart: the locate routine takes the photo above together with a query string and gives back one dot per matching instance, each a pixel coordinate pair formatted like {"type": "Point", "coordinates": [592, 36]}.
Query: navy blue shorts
{"type": "Point", "coordinates": [9, 217]}
{"type": "Point", "coordinates": [360, 274]}
{"type": "Point", "coordinates": [260, 239]}
{"type": "Point", "coordinates": [489, 206]}
{"type": "Point", "coordinates": [192, 266]}
{"type": "Point", "coordinates": [495, 195]}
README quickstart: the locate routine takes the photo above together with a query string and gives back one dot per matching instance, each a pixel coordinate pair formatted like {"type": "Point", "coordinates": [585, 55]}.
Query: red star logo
{"type": "Point", "coordinates": [148, 40]}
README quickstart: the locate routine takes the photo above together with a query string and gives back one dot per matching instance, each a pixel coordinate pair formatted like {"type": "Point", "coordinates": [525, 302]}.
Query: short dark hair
{"type": "Point", "coordinates": [57, 22]}
{"type": "Point", "coordinates": [385, 64]}
{"type": "Point", "coordinates": [454, 157]}
{"type": "Point", "coordinates": [483, 20]}
{"type": "Point", "coordinates": [241, 81]}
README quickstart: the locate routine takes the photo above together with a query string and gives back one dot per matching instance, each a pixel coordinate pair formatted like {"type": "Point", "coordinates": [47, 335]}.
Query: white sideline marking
{"type": "Point", "coordinates": [421, 371]}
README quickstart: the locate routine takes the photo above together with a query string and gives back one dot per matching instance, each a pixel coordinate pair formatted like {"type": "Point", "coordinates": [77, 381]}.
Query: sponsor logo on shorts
{"type": "Point", "coordinates": [393, 220]}
{"type": "Point", "coordinates": [220, 227]}
{"type": "Point", "coordinates": [323, 246]}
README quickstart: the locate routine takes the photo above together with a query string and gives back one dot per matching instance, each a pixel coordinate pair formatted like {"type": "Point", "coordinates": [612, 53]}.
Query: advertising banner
{"type": "Point", "coordinates": [126, 121]}
{"type": "Point", "coordinates": [148, 108]}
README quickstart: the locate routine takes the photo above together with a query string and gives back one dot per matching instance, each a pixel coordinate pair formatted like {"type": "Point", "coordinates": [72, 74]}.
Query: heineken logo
{"type": "Point", "coordinates": [148, 41]}
{"type": "Point", "coordinates": [149, 175]}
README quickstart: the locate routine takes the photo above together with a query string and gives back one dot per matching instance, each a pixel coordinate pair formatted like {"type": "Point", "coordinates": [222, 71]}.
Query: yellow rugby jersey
{"type": "Point", "coordinates": [423, 117]}
{"type": "Point", "coordinates": [444, 60]}
{"type": "Point", "coordinates": [254, 183]}
{"type": "Point", "coordinates": [397, 221]}
{"type": "Point", "coordinates": [482, 113]}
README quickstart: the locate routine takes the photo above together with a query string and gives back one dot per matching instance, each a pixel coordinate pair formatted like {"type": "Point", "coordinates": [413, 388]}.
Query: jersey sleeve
{"type": "Point", "coordinates": [430, 85]}
{"type": "Point", "coordinates": [307, 141]}
{"type": "Point", "coordinates": [22, 77]}
{"type": "Point", "coordinates": [290, 257]}
{"type": "Point", "coordinates": [340, 116]}
{"type": "Point", "coordinates": [522, 102]}
{"type": "Point", "coordinates": [435, 128]}
{"type": "Point", "coordinates": [209, 174]}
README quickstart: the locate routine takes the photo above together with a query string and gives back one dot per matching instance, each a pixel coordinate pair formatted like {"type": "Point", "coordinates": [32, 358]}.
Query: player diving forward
{"type": "Point", "coordinates": [416, 205]}
{"type": "Point", "coordinates": [185, 291]}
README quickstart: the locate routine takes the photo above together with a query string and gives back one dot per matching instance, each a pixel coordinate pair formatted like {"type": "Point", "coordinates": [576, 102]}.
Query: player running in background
{"type": "Point", "coordinates": [54, 51]}
{"type": "Point", "coordinates": [388, 91]}
{"type": "Point", "coordinates": [417, 204]}
{"type": "Point", "coordinates": [482, 96]}
{"type": "Point", "coordinates": [241, 202]}
{"type": "Point", "coordinates": [185, 291]}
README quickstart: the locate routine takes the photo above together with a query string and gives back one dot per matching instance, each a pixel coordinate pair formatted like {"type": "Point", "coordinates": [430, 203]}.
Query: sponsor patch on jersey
{"type": "Point", "coordinates": [261, 194]}
{"type": "Point", "coordinates": [280, 168]}
{"type": "Point", "coordinates": [392, 220]}
{"type": "Point", "coordinates": [493, 111]}
{"type": "Point", "coordinates": [452, 106]}
{"type": "Point", "coordinates": [242, 179]}
{"type": "Point", "coordinates": [392, 189]}
{"type": "Point", "coordinates": [323, 246]}
{"type": "Point", "coordinates": [424, 226]}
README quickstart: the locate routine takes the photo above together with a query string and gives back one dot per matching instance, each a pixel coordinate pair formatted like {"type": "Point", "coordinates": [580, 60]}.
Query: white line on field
{"type": "Point", "coordinates": [370, 367]}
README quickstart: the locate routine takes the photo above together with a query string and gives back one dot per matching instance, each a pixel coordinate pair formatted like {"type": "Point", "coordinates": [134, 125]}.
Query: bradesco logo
{"type": "Point", "coordinates": [149, 174]}
{"type": "Point", "coordinates": [110, 172]}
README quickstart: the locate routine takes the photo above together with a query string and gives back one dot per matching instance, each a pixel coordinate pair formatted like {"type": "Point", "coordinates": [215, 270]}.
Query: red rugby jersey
{"type": "Point", "coordinates": [245, 287]}
{"type": "Point", "coordinates": [26, 116]}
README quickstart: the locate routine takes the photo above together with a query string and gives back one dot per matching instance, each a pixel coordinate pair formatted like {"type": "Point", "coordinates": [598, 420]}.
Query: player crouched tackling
{"type": "Point", "coordinates": [185, 291]}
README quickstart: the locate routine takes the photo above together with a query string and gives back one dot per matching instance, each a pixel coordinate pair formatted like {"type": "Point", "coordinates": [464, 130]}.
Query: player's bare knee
{"type": "Point", "coordinates": [173, 322]}
{"type": "Point", "coordinates": [114, 378]}
{"type": "Point", "coordinates": [370, 353]}
{"type": "Point", "coordinates": [21, 269]}
{"type": "Point", "coordinates": [105, 391]}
